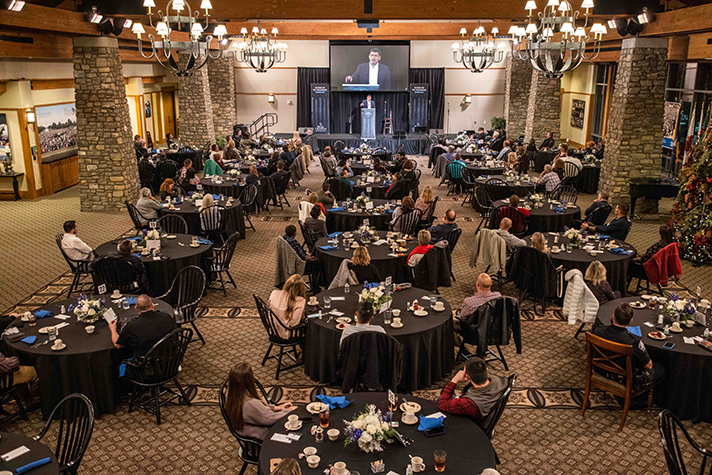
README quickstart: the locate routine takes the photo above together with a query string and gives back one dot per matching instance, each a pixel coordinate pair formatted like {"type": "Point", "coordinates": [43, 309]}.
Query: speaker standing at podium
{"type": "Point", "coordinates": [373, 73]}
{"type": "Point", "coordinates": [368, 118]}
{"type": "Point", "coordinates": [368, 103]}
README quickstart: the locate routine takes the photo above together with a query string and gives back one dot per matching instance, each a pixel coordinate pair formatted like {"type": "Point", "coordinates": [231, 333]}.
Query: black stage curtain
{"type": "Point", "coordinates": [435, 78]}
{"type": "Point", "coordinates": [305, 78]}
{"type": "Point", "coordinates": [345, 107]}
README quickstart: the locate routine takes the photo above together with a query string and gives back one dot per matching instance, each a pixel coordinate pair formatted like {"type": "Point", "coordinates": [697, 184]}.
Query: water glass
{"type": "Point", "coordinates": [569, 248]}
{"type": "Point", "coordinates": [327, 301]}
{"type": "Point", "coordinates": [125, 303]}
{"type": "Point", "coordinates": [52, 333]}
{"type": "Point", "coordinates": [387, 316]}
{"type": "Point", "coordinates": [433, 300]}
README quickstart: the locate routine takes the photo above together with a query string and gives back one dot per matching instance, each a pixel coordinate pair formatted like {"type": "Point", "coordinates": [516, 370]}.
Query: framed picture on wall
{"type": "Point", "coordinates": [57, 127]}
{"type": "Point", "coordinates": [4, 138]}
{"type": "Point", "coordinates": [147, 107]}
{"type": "Point", "coordinates": [578, 108]}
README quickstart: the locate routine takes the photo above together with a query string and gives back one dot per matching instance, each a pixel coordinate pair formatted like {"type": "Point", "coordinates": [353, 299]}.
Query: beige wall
{"type": "Point", "coordinates": [13, 102]}
{"type": "Point", "coordinates": [577, 84]}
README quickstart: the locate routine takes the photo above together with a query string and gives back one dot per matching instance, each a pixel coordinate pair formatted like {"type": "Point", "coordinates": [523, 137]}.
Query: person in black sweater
{"type": "Point", "coordinates": [145, 331]}
{"type": "Point", "coordinates": [441, 230]}
{"type": "Point", "coordinates": [361, 266]}
{"type": "Point", "coordinates": [279, 175]}
{"type": "Point", "coordinates": [596, 281]}
{"type": "Point", "coordinates": [548, 143]}
{"type": "Point", "coordinates": [618, 227]}
{"type": "Point", "coordinates": [399, 163]}
{"type": "Point", "coordinates": [599, 202]}
{"type": "Point", "coordinates": [399, 189]}
{"type": "Point", "coordinates": [287, 156]}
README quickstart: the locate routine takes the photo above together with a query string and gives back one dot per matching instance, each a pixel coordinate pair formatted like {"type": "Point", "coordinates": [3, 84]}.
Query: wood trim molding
{"type": "Point", "coordinates": [3, 87]}
{"type": "Point", "coordinates": [589, 94]}
{"type": "Point", "coordinates": [152, 79]}
{"type": "Point", "coordinates": [277, 67]}
{"type": "Point", "coordinates": [474, 93]}
{"type": "Point", "coordinates": [456, 69]}
{"type": "Point", "coordinates": [47, 84]}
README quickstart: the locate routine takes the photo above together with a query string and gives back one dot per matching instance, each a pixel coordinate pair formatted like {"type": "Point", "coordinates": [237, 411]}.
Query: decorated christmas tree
{"type": "Point", "coordinates": [692, 211]}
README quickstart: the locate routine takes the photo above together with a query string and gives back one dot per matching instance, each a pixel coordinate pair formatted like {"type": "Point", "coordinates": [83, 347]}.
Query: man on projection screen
{"type": "Point", "coordinates": [373, 72]}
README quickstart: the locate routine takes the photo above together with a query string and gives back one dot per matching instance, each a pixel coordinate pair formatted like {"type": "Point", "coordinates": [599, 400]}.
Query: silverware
{"type": "Point", "coordinates": [37, 345]}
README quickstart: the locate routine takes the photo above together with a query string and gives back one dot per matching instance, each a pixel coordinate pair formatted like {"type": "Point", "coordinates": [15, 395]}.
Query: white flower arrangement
{"type": "Point", "coordinates": [366, 232]}
{"type": "Point", "coordinates": [510, 174]}
{"type": "Point", "coordinates": [590, 158]}
{"type": "Point", "coordinates": [574, 236]}
{"type": "Point", "coordinates": [152, 235]}
{"type": "Point", "coordinates": [369, 430]}
{"type": "Point", "coordinates": [88, 311]}
{"type": "Point", "coordinates": [361, 200]}
{"type": "Point", "coordinates": [197, 196]}
{"type": "Point", "coordinates": [462, 138]}
{"type": "Point", "coordinates": [681, 309]}
{"type": "Point", "coordinates": [377, 296]}
{"type": "Point", "coordinates": [537, 198]}
{"type": "Point", "coordinates": [233, 173]}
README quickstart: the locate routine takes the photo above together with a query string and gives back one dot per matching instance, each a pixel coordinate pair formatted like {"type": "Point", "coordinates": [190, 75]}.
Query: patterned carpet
{"type": "Point", "coordinates": [541, 432]}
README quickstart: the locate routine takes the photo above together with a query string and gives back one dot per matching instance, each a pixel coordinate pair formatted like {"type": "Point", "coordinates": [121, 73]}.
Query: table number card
{"type": "Point", "coordinates": [391, 398]}
{"type": "Point", "coordinates": [369, 189]}
{"type": "Point", "coordinates": [389, 281]}
{"type": "Point", "coordinates": [101, 289]}
{"type": "Point", "coordinates": [370, 179]}
{"type": "Point", "coordinates": [369, 205]}
{"type": "Point", "coordinates": [199, 187]}
{"type": "Point", "coordinates": [366, 222]}
{"type": "Point", "coordinates": [152, 224]}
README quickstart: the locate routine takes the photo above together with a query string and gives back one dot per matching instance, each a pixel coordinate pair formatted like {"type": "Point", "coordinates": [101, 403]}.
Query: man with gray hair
{"type": "Point", "coordinates": [548, 178]}
{"type": "Point", "coordinates": [146, 330]}
{"type": "Point", "coordinates": [148, 206]}
{"type": "Point", "coordinates": [450, 154]}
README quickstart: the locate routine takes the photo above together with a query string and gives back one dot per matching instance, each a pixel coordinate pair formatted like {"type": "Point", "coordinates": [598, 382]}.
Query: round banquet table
{"type": "Point", "coordinates": [176, 257]}
{"type": "Point", "coordinates": [386, 265]}
{"type": "Point", "coordinates": [179, 157]}
{"type": "Point", "coordinates": [543, 158]}
{"type": "Point", "coordinates": [472, 155]}
{"type": "Point", "coordinates": [616, 264]}
{"type": "Point", "coordinates": [469, 451]}
{"type": "Point", "coordinates": [378, 188]}
{"type": "Point", "coordinates": [38, 451]}
{"type": "Point", "coordinates": [518, 187]}
{"type": "Point", "coordinates": [229, 187]}
{"type": "Point", "coordinates": [350, 221]}
{"type": "Point", "coordinates": [478, 171]}
{"type": "Point", "coordinates": [244, 167]}
{"type": "Point", "coordinates": [191, 213]}
{"type": "Point", "coordinates": [428, 344]}
{"type": "Point", "coordinates": [688, 377]}
{"type": "Point", "coordinates": [546, 219]}
{"type": "Point", "coordinates": [588, 182]}
{"type": "Point", "coordinates": [89, 363]}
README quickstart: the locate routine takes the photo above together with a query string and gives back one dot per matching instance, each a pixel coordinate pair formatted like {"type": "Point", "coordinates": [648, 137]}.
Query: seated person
{"type": "Point", "coordinates": [279, 176]}
{"type": "Point", "coordinates": [214, 150]}
{"type": "Point", "coordinates": [288, 304]}
{"type": "Point", "coordinates": [522, 161]}
{"type": "Point", "coordinates": [145, 171]}
{"type": "Point", "coordinates": [362, 268]}
{"type": "Point", "coordinates": [563, 151]}
{"type": "Point", "coordinates": [211, 166]}
{"type": "Point", "coordinates": [125, 253]}
{"type": "Point", "coordinates": [480, 135]}
{"type": "Point", "coordinates": [425, 201]}
{"type": "Point", "coordinates": [599, 202]}
{"type": "Point", "coordinates": [539, 243]}
{"type": "Point", "coordinates": [253, 177]}
{"type": "Point", "coordinates": [312, 263]}
{"type": "Point", "coordinates": [645, 371]}
{"type": "Point", "coordinates": [512, 162]}
{"type": "Point", "coordinates": [325, 196]}
{"type": "Point", "coordinates": [423, 246]}
{"type": "Point", "coordinates": [618, 227]}
{"type": "Point", "coordinates": [315, 223]}
{"type": "Point", "coordinates": [635, 269]}
{"type": "Point", "coordinates": [187, 175]}
{"type": "Point", "coordinates": [344, 165]}
{"type": "Point", "coordinates": [378, 165]}
{"type": "Point", "coordinates": [289, 466]}
{"type": "Point", "coordinates": [168, 189]}
{"type": "Point", "coordinates": [6, 320]}
{"type": "Point", "coordinates": [480, 394]}
{"type": "Point", "coordinates": [574, 160]}
{"type": "Point", "coordinates": [548, 142]}
{"type": "Point", "coordinates": [559, 168]}
{"type": "Point", "coordinates": [458, 167]}
{"type": "Point", "coordinates": [494, 139]}
{"type": "Point", "coordinates": [596, 281]}
{"type": "Point", "coordinates": [548, 178]}
{"type": "Point", "coordinates": [483, 295]}
{"type": "Point", "coordinates": [514, 203]}
{"type": "Point", "coordinates": [364, 315]}
{"type": "Point", "coordinates": [144, 331]}
{"type": "Point", "coordinates": [344, 178]}
{"type": "Point", "coordinates": [590, 148]}
{"type": "Point", "coordinates": [287, 156]}
{"type": "Point", "coordinates": [212, 215]}
{"type": "Point", "coordinates": [407, 205]}
{"type": "Point", "coordinates": [399, 188]}
{"type": "Point", "coordinates": [230, 154]}
{"type": "Point", "coordinates": [407, 171]}
{"type": "Point", "coordinates": [248, 414]}
{"type": "Point", "coordinates": [441, 230]}
{"type": "Point", "coordinates": [272, 163]}
{"type": "Point", "coordinates": [504, 153]}
{"type": "Point", "coordinates": [513, 242]}
{"type": "Point", "coordinates": [23, 376]}
{"type": "Point", "coordinates": [246, 143]}
{"type": "Point", "coordinates": [531, 147]}
{"type": "Point", "coordinates": [330, 162]}
{"type": "Point", "coordinates": [74, 247]}
{"type": "Point", "coordinates": [313, 198]}
{"type": "Point", "coordinates": [400, 161]}
{"type": "Point", "coordinates": [450, 154]}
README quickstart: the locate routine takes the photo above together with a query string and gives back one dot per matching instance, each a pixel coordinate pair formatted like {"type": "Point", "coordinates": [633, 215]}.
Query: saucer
{"type": "Point", "coordinates": [58, 348]}
{"type": "Point", "coordinates": [341, 326]}
{"type": "Point", "coordinates": [344, 319]}
{"type": "Point", "coordinates": [299, 426]}
{"type": "Point", "coordinates": [438, 310]}
{"type": "Point", "coordinates": [420, 313]}
{"type": "Point", "coordinates": [116, 296]}
{"type": "Point", "coordinates": [400, 325]}
{"type": "Point", "coordinates": [315, 407]}
{"type": "Point", "coordinates": [24, 319]}
{"type": "Point", "coordinates": [171, 237]}
{"type": "Point", "coordinates": [637, 304]}
{"type": "Point", "coordinates": [410, 423]}
{"type": "Point", "coordinates": [646, 297]}
{"type": "Point", "coordinates": [657, 335]}
{"type": "Point", "coordinates": [194, 245]}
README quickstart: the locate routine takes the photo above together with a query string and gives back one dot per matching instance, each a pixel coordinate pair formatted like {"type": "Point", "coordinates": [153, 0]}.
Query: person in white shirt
{"type": "Point", "coordinates": [513, 242]}
{"type": "Point", "coordinates": [72, 245]}
{"type": "Point", "coordinates": [373, 72]}
{"type": "Point", "coordinates": [147, 206]}
{"type": "Point", "coordinates": [573, 160]}
{"type": "Point", "coordinates": [364, 315]}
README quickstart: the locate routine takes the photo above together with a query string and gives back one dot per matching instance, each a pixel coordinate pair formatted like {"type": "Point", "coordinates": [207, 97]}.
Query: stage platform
{"type": "Point", "coordinates": [415, 144]}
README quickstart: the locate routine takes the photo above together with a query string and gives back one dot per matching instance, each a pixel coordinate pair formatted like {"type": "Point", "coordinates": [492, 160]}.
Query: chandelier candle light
{"type": "Point", "coordinates": [260, 50]}
{"type": "Point", "coordinates": [536, 43]}
{"type": "Point", "coordinates": [478, 52]}
{"type": "Point", "coordinates": [187, 22]}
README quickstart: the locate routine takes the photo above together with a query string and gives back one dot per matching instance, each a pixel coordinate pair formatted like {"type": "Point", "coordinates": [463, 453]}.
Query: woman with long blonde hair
{"type": "Point", "coordinates": [247, 413]}
{"type": "Point", "coordinates": [539, 243]}
{"type": "Point", "coordinates": [288, 304]}
{"type": "Point", "coordinates": [596, 280]}
{"type": "Point", "coordinates": [287, 466]}
{"type": "Point", "coordinates": [362, 268]}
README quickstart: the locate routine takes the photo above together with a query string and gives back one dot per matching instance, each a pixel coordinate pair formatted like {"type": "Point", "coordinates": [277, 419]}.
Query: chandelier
{"type": "Point", "coordinates": [536, 43]}
{"type": "Point", "coordinates": [260, 50]}
{"type": "Point", "coordinates": [478, 52]}
{"type": "Point", "coordinates": [179, 21]}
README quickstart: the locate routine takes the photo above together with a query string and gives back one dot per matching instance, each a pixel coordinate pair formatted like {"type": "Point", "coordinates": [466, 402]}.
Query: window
{"type": "Point", "coordinates": [600, 101]}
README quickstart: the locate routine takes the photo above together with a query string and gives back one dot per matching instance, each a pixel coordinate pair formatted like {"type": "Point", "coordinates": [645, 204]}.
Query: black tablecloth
{"type": "Point", "coordinates": [477, 171]}
{"type": "Point", "coordinates": [545, 219]}
{"type": "Point", "coordinates": [543, 158]}
{"type": "Point", "coordinates": [688, 382]}
{"type": "Point", "coordinates": [522, 189]}
{"type": "Point", "coordinates": [616, 264]}
{"type": "Point", "coordinates": [88, 365]}
{"type": "Point", "coordinates": [235, 221]}
{"type": "Point", "coordinates": [233, 188]}
{"type": "Point", "coordinates": [162, 272]}
{"type": "Point", "coordinates": [588, 182]}
{"type": "Point", "coordinates": [469, 451]}
{"type": "Point", "coordinates": [179, 157]}
{"type": "Point", "coordinates": [386, 265]}
{"type": "Point", "coordinates": [378, 188]}
{"type": "Point", "coordinates": [346, 221]}
{"type": "Point", "coordinates": [472, 155]}
{"type": "Point", "coordinates": [427, 341]}
{"type": "Point", "coordinates": [38, 451]}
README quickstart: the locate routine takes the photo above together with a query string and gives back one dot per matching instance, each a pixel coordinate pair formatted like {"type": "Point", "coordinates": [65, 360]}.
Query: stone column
{"type": "Point", "coordinates": [518, 80]}
{"type": "Point", "coordinates": [221, 74]}
{"type": "Point", "coordinates": [544, 108]}
{"type": "Point", "coordinates": [635, 125]}
{"type": "Point", "coordinates": [108, 174]}
{"type": "Point", "coordinates": [195, 110]}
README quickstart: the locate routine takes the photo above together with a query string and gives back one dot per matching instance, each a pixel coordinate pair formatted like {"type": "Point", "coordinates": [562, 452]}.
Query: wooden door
{"type": "Point", "coordinates": [169, 114]}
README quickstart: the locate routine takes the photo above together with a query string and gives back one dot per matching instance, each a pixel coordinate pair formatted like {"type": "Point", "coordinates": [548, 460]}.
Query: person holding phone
{"type": "Point", "coordinates": [645, 370]}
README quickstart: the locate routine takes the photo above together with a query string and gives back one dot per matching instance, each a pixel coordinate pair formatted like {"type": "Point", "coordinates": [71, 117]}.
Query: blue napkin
{"type": "Point", "coordinates": [605, 236]}
{"type": "Point", "coordinates": [137, 254]}
{"type": "Point", "coordinates": [204, 241]}
{"type": "Point", "coordinates": [122, 370]}
{"type": "Point", "coordinates": [42, 313]}
{"type": "Point", "coordinates": [558, 209]}
{"type": "Point", "coordinates": [216, 197]}
{"type": "Point", "coordinates": [335, 234]}
{"type": "Point", "coordinates": [235, 183]}
{"type": "Point", "coordinates": [131, 300]}
{"type": "Point", "coordinates": [484, 176]}
{"type": "Point", "coordinates": [373, 284]}
{"type": "Point", "coordinates": [30, 340]}
{"type": "Point", "coordinates": [334, 401]}
{"type": "Point", "coordinates": [635, 331]}
{"type": "Point", "coordinates": [430, 423]}
{"type": "Point", "coordinates": [620, 250]}
{"type": "Point", "coordinates": [137, 238]}
{"type": "Point", "coordinates": [31, 465]}
{"type": "Point", "coordinates": [338, 208]}
{"type": "Point", "coordinates": [389, 211]}
{"type": "Point", "coordinates": [328, 248]}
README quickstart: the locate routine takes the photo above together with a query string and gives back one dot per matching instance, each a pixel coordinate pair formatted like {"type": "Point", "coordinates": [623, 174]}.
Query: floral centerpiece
{"type": "Point", "coordinates": [151, 239]}
{"type": "Point", "coordinates": [472, 148]}
{"type": "Point", "coordinates": [361, 200]}
{"type": "Point", "coordinates": [366, 232]}
{"type": "Point", "coordinates": [510, 174]}
{"type": "Point", "coordinates": [537, 198]}
{"type": "Point", "coordinates": [574, 236]}
{"type": "Point", "coordinates": [364, 147]}
{"type": "Point", "coordinates": [369, 430]}
{"type": "Point", "coordinates": [88, 311]}
{"type": "Point", "coordinates": [590, 158]}
{"type": "Point", "coordinates": [378, 297]}
{"type": "Point", "coordinates": [462, 138]}
{"type": "Point", "coordinates": [679, 309]}
{"type": "Point", "coordinates": [197, 196]}
{"type": "Point", "coordinates": [233, 173]}
{"type": "Point", "coordinates": [173, 146]}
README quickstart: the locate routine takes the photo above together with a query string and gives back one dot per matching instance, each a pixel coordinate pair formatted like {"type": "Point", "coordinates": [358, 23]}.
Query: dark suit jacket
{"type": "Point", "coordinates": [440, 231]}
{"type": "Point", "coordinates": [360, 76]}
{"type": "Point", "coordinates": [594, 206]}
{"type": "Point", "coordinates": [365, 104]}
{"type": "Point", "coordinates": [287, 158]}
{"type": "Point", "coordinates": [547, 143]}
{"type": "Point", "coordinates": [617, 228]}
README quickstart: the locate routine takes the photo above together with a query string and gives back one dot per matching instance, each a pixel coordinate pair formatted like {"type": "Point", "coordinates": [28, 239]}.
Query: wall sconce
{"type": "Point", "coordinates": [270, 98]}
{"type": "Point", "coordinates": [30, 116]}
{"type": "Point", "coordinates": [468, 99]}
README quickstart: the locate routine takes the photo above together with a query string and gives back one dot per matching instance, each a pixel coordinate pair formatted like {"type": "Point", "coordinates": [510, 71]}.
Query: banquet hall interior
{"type": "Point", "coordinates": [355, 237]}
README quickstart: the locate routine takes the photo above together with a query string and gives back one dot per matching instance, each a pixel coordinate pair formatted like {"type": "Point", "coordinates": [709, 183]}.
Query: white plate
{"type": "Point", "coordinates": [340, 326]}
{"type": "Point", "coordinates": [400, 325]}
{"type": "Point", "coordinates": [637, 304]}
{"type": "Point", "coordinates": [420, 313]}
{"type": "Point", "coordinates": [676, 331]}
{"type": "Point", "coordinates": [411, 405]}
{"type": "Point", "coordinates": [315, 407]}
{"type": "Point", "coordinates": [194, 245]}
{"type": "Point", "coordinates": [441, 310]}
{"type": "Point", "coordinates": [58, 348]}
{"type": "Point", "coordinates": [344, 319]}
{"type": "Point", "coordinates": [43, 330]}
{"type": "Point", "coordinates": [171, 237]}
{"type": "Point", "coordinates": [410, 423]}
{"type": "Point", "coordinates": [299, 426]}
{"type": "Point", "coordinates": [646, 297]}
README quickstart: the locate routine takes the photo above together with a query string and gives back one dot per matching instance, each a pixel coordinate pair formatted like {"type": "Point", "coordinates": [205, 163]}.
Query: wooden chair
{"type": "Point", "coordinates": [490, 422]}
{"type": "Point", "coordinates": [247, 203]}
{"type": "Point", "coordinates": [519, 225]}
{"type": "Point", "coordinates": [297, 336]}
{"type": "Point", "coordinates": [118, 274]}
{"type": "Point", "coordinates": [136, 217]}
{"type": "Point", "coordinates": [173, 224]}
{"type": "Point", "coordinates": [250, 447]}
{"type": "Point", "coordinates": [483, 204]}
{"type": "Point", "coordinates": [497, 189]}
{"type": "Point", "coordinates": [219, 262]}
{"type": "Point", "coordinates": [606, 355]}
{"type": "Point", "coordinates": [184, 295]}
{"type": "Point", "coordinates": [407, 222]}
{"type": "Point", "coordinates": [668, 425]}
{"type": "Point", "coordinates": [213, 222]}
{"type": "Point", "coordinates": [79, 268]}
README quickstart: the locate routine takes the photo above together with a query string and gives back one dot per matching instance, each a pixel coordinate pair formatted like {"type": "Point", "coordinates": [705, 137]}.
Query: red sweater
{"type": "Point", "coordinates": [419, 250]}
{"type": "Point", "coordinates": [459, 406]}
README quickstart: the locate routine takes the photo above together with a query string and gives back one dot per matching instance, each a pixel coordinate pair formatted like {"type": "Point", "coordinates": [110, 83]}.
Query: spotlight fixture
{"type": "Point", "coordinates": [14, 5]}
{"type": "Point", "coordinates": [646, 17]}
{"type": "Point", "coordinates": [93, 16]}
{"type": "Point", "coordinates": [127, 23]}
{"type": "Point", "coordinates": [468, 99]}
{"type": "Point", "coordinates": [270, 98]}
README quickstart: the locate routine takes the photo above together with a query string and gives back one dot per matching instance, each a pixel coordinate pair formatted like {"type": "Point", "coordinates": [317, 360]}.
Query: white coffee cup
{"type": "Point", "coordinates": [293, 420]}
{"type": "Point", "coordinates": [339, 468]}
{"type": "Point", "coordinates": [396, 320]}
{"type": "Point", "coordinates": [313, 461]}
{"type": "Point", "coordinates": [439, 306]}
{"type": "Point", "coordinates": [704, 303]}
{"type": "Point", "coordinates": [309, 451]}
{"type": "Point", "coordinates": [90, 329]}
{"type": "Point", "coordinates": [417, 464]}
{"type": "Point", "coordinates": [116, 294]}
{"type": "Point", "coordinates": [676, 326]}
{"type": "Point", "coordinates": [409, 417]}
{"type": "Point", "coordinates": [395, 312]}
{"type": "Point", "coordinates": [333, 434]}
{"type": "Point", "coordinates": [57, 343]}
